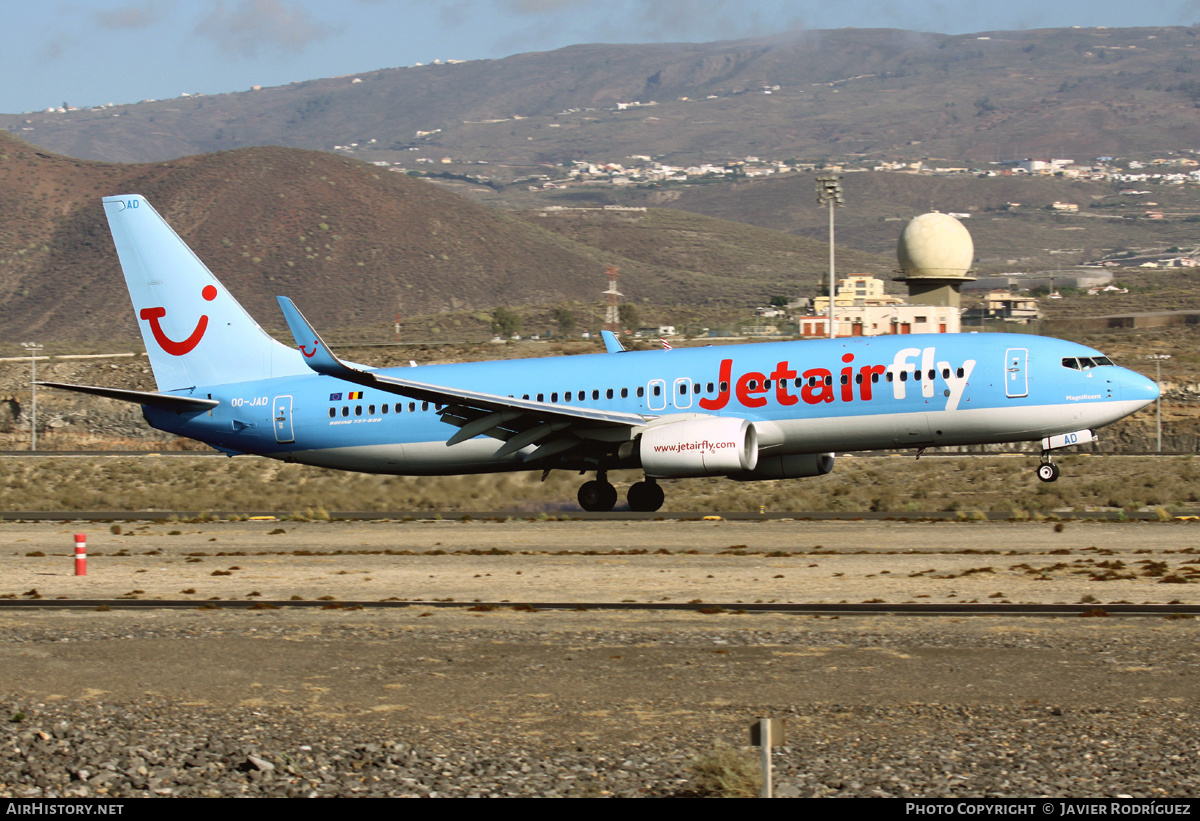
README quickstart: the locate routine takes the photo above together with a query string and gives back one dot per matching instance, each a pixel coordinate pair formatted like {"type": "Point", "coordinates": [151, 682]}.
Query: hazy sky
{"type": "Point", "coordinates": [89, 52]}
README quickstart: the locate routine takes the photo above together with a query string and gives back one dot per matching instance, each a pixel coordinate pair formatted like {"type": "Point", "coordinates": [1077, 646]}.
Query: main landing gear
{"type": "Point", "coordinates": [598, 495]}
{"type": "Point", "coordinates": [1047, 471]}
{"type": "Point", "coordinates": [645, 496]}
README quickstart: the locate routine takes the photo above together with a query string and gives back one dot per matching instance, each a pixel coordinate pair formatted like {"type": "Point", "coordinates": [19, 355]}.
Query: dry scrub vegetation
{"type": "Point", "coordinates": [897, 484]}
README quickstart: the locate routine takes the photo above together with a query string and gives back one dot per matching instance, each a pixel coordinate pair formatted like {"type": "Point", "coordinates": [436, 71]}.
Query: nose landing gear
{"type": "Point", "coordinates": [1047, 471]}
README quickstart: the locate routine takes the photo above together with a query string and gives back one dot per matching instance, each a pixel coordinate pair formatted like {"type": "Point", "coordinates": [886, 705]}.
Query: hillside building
{"type": "Point", "coordinates": [1000, 305]}
{"type": "Point", "coordinates": [862, 308]}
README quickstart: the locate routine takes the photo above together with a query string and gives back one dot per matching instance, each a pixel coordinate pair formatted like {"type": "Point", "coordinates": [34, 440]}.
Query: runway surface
{"type": "Point", "coordinates": [512, 701]}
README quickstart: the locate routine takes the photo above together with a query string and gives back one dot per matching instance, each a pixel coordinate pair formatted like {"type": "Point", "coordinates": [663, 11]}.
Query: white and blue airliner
{"type": "Point", "coordinates": [775, 410]}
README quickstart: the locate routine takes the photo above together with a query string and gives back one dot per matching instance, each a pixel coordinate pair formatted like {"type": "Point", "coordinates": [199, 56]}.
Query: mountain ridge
{"type": "Point", "coordinates": [845, 92]}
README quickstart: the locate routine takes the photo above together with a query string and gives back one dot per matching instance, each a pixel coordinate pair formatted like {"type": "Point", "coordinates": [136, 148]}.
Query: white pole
{"type": "Point", "coordinates": [764, 725]}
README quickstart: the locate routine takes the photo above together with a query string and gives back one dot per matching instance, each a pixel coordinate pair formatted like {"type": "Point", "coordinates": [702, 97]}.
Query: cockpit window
{"type": "Point", "coordinates": [1083, 363]}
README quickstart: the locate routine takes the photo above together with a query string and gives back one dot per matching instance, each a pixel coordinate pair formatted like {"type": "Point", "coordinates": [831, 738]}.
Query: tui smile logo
{"type": "Point", "coordinates": [153, 315]}
{"type": "Point", "coordinates": [304, 350]}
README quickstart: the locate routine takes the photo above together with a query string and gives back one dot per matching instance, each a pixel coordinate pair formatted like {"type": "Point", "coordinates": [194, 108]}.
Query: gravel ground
{"type": "Point", "coordinates": [417, 701]}
{"type": "Point", "coordinates": [505, 703]}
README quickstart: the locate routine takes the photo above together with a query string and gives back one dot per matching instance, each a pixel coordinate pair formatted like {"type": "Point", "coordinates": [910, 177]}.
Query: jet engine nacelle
{"type": "Point", "coordinates": [713, 446]}
{"type": "Point", "coordinates": [791, 466]}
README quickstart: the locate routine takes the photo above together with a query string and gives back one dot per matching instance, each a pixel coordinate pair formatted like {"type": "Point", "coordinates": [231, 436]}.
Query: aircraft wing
{"type": "Point", "coordinates": [518, 423]}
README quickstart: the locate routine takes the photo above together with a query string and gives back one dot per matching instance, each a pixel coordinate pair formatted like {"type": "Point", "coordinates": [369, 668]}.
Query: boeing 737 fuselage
{"type": "Point", "coordinates": [763, 411]}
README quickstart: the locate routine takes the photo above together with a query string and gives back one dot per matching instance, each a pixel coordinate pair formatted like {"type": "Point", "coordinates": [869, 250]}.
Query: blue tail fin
{"type": "Point", "coordinates": [195, 332]}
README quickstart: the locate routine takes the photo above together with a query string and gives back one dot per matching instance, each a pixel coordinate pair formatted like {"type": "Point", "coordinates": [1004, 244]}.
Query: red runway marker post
{"type": "Point", "coordinates": [80, 554]}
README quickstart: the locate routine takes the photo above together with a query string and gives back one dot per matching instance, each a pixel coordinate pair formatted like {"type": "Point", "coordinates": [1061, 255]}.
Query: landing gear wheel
{"type": "Point", "coordinates": [597, 496]}
{"type": "Point", "coordinates": [645, 497]}
{"type": "Point", "coordinates": [1047, 471]}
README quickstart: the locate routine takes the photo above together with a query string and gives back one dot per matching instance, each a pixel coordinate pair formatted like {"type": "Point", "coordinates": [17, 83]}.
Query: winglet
{"type": "Point", "coordinates": [315, 351]}
{"type": "Point", "coordinates": [611, 343]}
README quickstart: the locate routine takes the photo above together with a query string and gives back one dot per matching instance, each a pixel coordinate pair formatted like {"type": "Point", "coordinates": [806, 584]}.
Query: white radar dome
{"type": "Point", "coordinates": [935, 245]}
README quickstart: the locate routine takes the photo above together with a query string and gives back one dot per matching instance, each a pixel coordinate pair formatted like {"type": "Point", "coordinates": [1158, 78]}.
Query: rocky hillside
{"type": "Point", "coordinates": [353, 244]}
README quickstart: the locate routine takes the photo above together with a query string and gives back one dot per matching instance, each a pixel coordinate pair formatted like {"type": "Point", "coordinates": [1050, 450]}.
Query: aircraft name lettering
{"type": "Point", "coordinates": [818, 385]}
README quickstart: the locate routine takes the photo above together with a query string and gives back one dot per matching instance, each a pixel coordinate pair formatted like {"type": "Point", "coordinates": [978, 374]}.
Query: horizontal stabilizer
{"type": "Point", "coordinates": [167, 401]}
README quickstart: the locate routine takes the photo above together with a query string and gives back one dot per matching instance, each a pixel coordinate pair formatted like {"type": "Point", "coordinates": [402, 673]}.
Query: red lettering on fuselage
{"type": "Point", "coordinates": [867, 374]}
{"type": "Point", "coordinates": [848, 379]}
{"type": "Point", "coordinates": [748, 385]}
{"type": "Point", "coordinates": [816, 385]}
{"type": "Point", "coordinates": [781, 375]}
{"type": "Point", "coordinates": [723, 396]}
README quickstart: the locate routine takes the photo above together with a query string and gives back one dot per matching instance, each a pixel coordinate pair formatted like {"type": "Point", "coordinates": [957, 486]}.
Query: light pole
{"type": "Point", "coordinates": [33, 348]}
{"type": "Point", "coordinates": [829, 192]}
{"type": "Point", "coordinates": [1158, 358]}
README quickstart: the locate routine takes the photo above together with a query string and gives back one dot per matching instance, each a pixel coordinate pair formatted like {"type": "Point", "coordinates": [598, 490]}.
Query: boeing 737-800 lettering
{"type": "Point", "coordinates": [776, 410]}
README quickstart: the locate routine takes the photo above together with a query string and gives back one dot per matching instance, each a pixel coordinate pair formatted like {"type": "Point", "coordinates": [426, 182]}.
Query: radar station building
{"type": "Point", "coordinates": [862, 308]}
{"type": "Point", "coordinates": [935, 253]}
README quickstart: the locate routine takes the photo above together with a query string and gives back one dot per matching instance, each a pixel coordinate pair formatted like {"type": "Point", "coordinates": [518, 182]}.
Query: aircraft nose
{"type": "Point", "coordinates": [1137, 388]}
